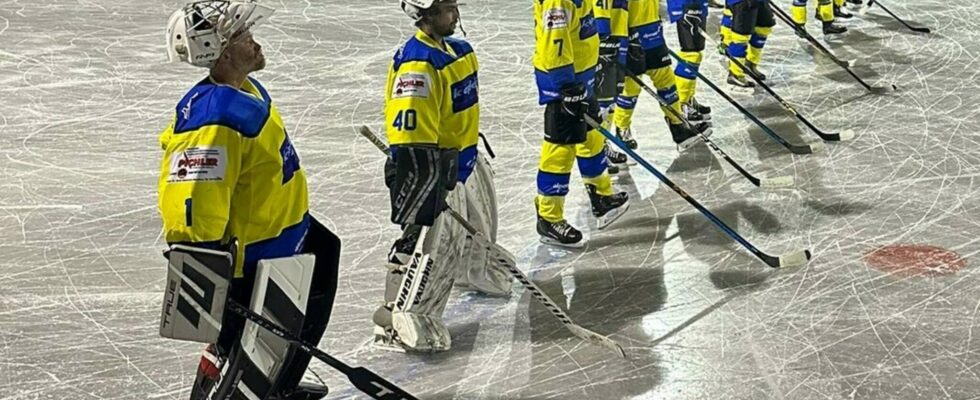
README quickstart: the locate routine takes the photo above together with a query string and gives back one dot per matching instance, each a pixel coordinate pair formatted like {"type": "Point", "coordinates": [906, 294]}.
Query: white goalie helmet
{"type": "Point", "coordinates": [198, 32]}
{"type": "Point", "coordinates": [414, 8]}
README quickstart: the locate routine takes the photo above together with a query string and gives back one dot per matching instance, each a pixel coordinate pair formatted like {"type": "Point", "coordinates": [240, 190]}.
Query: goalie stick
{"type": "Point", "coordinates": [847, 134]}
{"type": "Point", "coordinates": [504, 259]}
{"type": "Point", "coordinates": [767, 183]}
{"type": "Point", "coordinates": [843, 64]}
{"type": "Point", "coordinates": [793, 148]}
{"type": "Point", "coordinates": [362, 378]}
{"type": "Point", "coordinates": [794, 258]}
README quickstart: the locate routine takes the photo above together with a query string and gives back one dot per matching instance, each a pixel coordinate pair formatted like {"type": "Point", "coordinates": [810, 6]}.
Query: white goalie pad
{"type": "Point", "coordinates": [281, 294]}
{"type": "Point", "coordinates": [196, 291]}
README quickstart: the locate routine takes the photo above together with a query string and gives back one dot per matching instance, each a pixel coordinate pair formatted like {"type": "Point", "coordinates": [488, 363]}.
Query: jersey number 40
{"type": "Point", "coordinates": [405, 120]}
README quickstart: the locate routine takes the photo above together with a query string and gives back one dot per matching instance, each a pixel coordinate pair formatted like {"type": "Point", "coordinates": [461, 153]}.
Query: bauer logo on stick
{"type": "Point", "coordinates": [411, 85]}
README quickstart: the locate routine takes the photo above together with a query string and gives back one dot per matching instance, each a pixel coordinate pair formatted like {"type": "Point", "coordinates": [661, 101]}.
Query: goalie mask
{"type": "Point", "coordinates": [198, 32]}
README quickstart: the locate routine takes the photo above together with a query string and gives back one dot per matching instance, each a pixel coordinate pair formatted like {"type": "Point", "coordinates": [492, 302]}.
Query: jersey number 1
{"type": "Point", "coordinates": [405, 120]}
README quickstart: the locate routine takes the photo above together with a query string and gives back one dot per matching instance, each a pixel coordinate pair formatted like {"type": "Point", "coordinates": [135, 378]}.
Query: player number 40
{"type": "Point", "coordinates": [406, 120]}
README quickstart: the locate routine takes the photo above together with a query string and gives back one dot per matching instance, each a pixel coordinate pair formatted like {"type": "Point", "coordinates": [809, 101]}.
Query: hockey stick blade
{"type": "Point", "coordinates": [777, 182]}
{"type": "Point", "coordinates": [843, 136]}
{"type": "Point", "coordinates": [793, 259]}
{"type": "Point", "coordinates": [597, 339]}
{"type": "Point", "coordinates": [376, 386]}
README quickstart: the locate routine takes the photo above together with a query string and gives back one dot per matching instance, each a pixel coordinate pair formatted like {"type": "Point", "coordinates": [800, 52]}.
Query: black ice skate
{"type": "Point", "coordinates": [800, 31]}
{"type": "Point", "coordinates": [614, 156]}
{"type": "Point", "coordinates": [685, 138]}
{"type": "Point", "coordinates": [830, 29]}
{"type": "Point", "coordinates": [754, 70]}
{"type": "Point", "coordinates": [840, 12]}
{"type": "Point", "coordinates": [607, 209]}
{"type": "Point", "coordinates": [740, 83]}
{"type": "Point", "coordinates": [701, 108]}
{"type": "Point", "coordinates": [626, 135]}
{"type": "Point", "coordinates": [559, 233]}
{"type": "Point", "coordinates": [856, 2]}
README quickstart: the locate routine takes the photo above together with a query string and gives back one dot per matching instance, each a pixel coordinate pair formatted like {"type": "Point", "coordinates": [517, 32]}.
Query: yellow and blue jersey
{"type": "Point", "coordinates": [644, 23]}
{"type": "Point", "coordinates": [432, 97]}
{"type": "Point", "coordinates": [675, 8]}
{"type": "Point", "coordinates": [612, 18]}
{"type": "Point", "coordinates": [566, 46]}
{"type": "Point", "coordinates": [230, 171]}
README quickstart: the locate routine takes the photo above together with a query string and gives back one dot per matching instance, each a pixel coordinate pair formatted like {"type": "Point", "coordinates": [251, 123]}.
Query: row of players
{"type": "Point", "coordinates": [231, 180]}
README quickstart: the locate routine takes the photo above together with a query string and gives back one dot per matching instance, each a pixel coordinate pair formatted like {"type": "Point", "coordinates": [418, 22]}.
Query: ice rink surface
{"type": "Point", "coordinates": [84, 91]}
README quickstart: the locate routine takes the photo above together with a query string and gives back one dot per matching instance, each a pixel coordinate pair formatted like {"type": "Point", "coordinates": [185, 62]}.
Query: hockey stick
{"type": "Point", "coordinates": [795, 149]}
{"type": "Point", "coordinates": [864, 10]}
{"type": "Point", "coordinates": [795, 258]}
{"type": "Point", "coordinates": [768, 183]}
{"type": "Point", "coordinates": [847, 134]}
{"type": "Point", "coordinates": [843, 64]}
{"type": "Point", "coordinates": [504, 259]}
{"type": "Point", "coordinates": [362, 378]}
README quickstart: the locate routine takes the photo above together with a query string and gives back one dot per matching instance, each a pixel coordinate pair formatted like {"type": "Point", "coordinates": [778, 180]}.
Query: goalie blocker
{"type": "Point", "coordinates": [248, 362]}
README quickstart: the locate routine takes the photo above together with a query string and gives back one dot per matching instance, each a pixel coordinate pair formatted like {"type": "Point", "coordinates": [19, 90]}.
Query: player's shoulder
{"type": "Point", "coordinates": [208, 103]}
{"type": "Point", "coordinates": [416, 50]}
{"type": "Point", "coordinates": [460, 47]}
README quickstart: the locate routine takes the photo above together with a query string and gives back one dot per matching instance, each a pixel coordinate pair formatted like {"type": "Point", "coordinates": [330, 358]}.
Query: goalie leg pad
{"type": "Point", "coordinates": [477, 268]}
{"type": "Point", "coordinates": [423, 286]}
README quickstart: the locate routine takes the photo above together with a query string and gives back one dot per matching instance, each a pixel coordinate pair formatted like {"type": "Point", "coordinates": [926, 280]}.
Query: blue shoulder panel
{"type": "Point", "coordinates": [415, 50]}
{"type": "Point", "coordinates": [210, 104]}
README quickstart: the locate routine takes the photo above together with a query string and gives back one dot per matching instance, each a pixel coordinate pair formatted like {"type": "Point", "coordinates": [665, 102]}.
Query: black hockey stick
{"type": "Point", "coordinates": [769, 183]}
{"type": "Point", "coordinates": [362, 378]}
{"type": "Point", "coordinates": [813, 41]}
{"type": "Point", "coordinates": [913, 28]}
{"type": "Point", "coordinates": [795, 149]}
{"type": "Point", "coordinates": [795, 258]}
{"type": "Point", "coordinates": [847, 134]}
{"type": "Point", "coordinates": [504, 259]}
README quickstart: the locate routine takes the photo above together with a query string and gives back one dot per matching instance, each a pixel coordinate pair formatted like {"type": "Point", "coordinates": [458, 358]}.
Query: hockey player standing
{"type": "Point", "coordinates": [825, 12]}
{"type": "Point", "coordinates": [565, 56]}
{"type": "Point", "coordinates": [231, 180]}
{"type": "Point", "coordinates": [648, 55]}
{"type": "Point", "coordinates": [751, 24]}
{"type": "Point", "coordinates": [432, 118]}
{"type": "Point", "coordinates": [691, 17]}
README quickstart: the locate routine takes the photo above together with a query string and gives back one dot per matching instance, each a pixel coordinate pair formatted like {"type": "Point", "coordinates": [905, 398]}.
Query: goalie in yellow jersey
{"type": "Point", "coordinates": [231, 184]}
{"type": "Point", "coordinates": [565, 56]}
{"type": "Point", "coordinates": [432, 121]}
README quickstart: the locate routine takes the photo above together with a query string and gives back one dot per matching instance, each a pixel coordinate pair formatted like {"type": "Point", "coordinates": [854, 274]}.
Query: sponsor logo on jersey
{"type": "Point", "coordinates": [465, 93]}
{"type": "Point", "coordinates": [411, 84]}
{"type": "Point", "coordinates": [588, 28]}
{"type": "Point", "coordinates": [290, 160]}
{"type": "Point", "coordinates": [198, 164]}
{"type": "Point", "coordinates": [555, 18]}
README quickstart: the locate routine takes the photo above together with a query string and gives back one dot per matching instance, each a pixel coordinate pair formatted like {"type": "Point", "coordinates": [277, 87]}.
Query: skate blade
{"type": "Point", "coordinates": [553, 242]}
{"type": "Point", "coordinates": [612, 215]}
{"type": "Point", "coordinates": [384, 345]}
